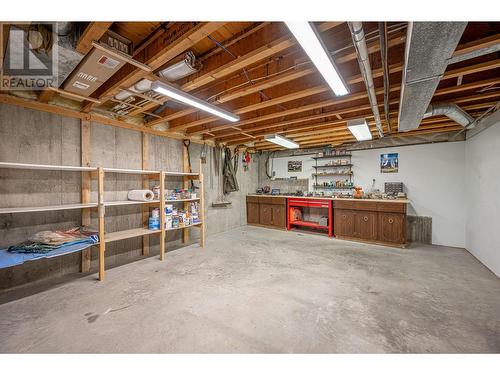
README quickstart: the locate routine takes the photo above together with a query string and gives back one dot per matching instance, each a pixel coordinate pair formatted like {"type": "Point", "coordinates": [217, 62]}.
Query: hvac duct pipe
{"type": "Point", "coordinates": [451, 111]}
{"type": "Point", "coordinates": [358, 38]}
{"type": "Point", "coordinates": [382, 27]}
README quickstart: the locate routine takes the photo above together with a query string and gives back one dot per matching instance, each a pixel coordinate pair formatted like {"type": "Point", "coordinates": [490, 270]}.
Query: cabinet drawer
{"type": "Point", "coordinates": [353, 205]}
{"type": "Point", "coordinates": [391, 207]}
{"type": "Point", "coordinates": [252, 199]}
{"type": "Point", "coordinates": [278, 200]}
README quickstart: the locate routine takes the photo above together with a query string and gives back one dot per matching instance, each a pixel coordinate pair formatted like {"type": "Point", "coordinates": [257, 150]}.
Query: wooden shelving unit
{"type": "Point", "coordinates": [99, 173]}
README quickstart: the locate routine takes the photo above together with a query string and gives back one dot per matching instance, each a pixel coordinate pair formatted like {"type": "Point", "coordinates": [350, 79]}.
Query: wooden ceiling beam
{"type": "Point", "coordinates": [177, 39]}
{"type": "Point", "coordinates": [329, 103]}
{"type": "Point", "coordinates": [300, 94]}
{"type": "Point", "coordinates": [287, 77]}
{"type": "Point", "coordinates": [477, 44]}
{"type": "Point", "coordinates": [322, 127]}
{"type": "Point", "coordinates": [50, 108]}
{"type": "Point", "coordinates": [92, 33]}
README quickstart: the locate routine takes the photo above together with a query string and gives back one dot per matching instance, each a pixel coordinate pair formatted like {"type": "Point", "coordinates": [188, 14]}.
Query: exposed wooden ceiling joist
{"type": "Point", "coordinates": [93, 32]}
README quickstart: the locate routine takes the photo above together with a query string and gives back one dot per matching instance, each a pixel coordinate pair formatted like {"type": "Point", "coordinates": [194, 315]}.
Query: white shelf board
{"type": "Point", "coordinates": [72, 206]}
{"type": "Point", "coordinates": [46, 167]}
{"type": "Point", "coordinates": [181, 200]}
{"type": "Point", "coordinates": [184, 227]}
{"type": "Point", "coordinates": [129, 233]}
{"type": "Point", "coordinates": [181, 174]}
{"type": "Point", "coordinates": [129, 171]}
{"type": "Point", "coordinates": [126, 203]}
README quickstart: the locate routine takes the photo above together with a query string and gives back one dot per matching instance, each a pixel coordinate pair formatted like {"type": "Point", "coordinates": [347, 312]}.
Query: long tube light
{"type": "Point", "coordinates": [281, 141]}
{"type": "Point", "coordinates": [181, 96]}
{"type": "Point", "coordinates": [311, 42]}
{"type": "Point", "coordinates": [359, 129]}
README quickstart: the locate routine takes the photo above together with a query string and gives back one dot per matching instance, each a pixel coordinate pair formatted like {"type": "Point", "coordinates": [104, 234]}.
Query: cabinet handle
{"type": "Point", "coordinates": [365, 218]}
{"type": "Point", "coordinates": [343, 216]}
{"type": "Point", "coordinates": [391, 220]}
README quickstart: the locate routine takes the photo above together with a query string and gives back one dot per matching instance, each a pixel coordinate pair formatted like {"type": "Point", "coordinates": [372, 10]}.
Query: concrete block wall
{"type": "Point", "coordinates": [28, 136]}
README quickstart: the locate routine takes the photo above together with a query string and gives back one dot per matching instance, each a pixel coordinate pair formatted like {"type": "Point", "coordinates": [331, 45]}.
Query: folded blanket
{"type": "Point", "coordinates": [46, 241]}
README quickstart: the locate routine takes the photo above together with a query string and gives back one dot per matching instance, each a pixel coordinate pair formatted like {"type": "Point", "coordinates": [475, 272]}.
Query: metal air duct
{"type": "Point", "coordinates": [429, 46]}
{"type": "Point", "coordinates": [451, 111]}
{"type": "Point", "coordinates": [358, 38]}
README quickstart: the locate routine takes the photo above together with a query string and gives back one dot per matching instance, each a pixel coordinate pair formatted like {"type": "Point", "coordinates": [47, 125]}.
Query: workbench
{"type": "Point", "coordinates": [380, 221]}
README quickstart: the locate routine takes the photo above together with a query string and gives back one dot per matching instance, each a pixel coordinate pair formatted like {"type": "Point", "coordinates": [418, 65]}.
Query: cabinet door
{"type": "Point", "coordinates": [266, 214]}
{"type": "Point", "coordinates": [392, 227]}
{"type": "Point", "coordinates": [365, 225]}
{"type": "Point", "coordinates": [344, 222]}
{"type": "Point", "coordinates": [253, 215]}
{"type": "Point", "coordinates": [279, 218]}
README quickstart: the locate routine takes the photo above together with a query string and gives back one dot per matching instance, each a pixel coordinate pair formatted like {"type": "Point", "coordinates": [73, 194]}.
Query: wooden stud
{"type": "Point", "coordinates": [94, 31]}
{"type": "Point", "coordinates": [163, 239]}
{"type": "Point", "coordinates": [46, 95]}
{"type": "Point", "coordinates": [145, 185]}
{"type": "Point", "coordinates": [71, 95]}
{"type": "Point", "coordinates": [85, 152]}
{"type": "Point", "coordinates": [202, 207]}
{"type": "Point", "coordinates": [101, 209]}
{"type": "Point", "coordinates": [186, 182]}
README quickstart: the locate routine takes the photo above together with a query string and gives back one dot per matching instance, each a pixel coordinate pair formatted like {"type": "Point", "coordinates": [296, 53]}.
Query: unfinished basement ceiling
{"type": "Point", "coordinates": [259, 72]}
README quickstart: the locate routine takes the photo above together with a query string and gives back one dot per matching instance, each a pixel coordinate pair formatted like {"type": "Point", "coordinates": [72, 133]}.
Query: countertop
{"type": "Point", "coordinates": [332, 198]}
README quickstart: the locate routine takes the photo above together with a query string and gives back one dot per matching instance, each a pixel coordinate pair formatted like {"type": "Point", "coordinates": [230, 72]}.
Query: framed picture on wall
{"type": "Point", "coordinates": [389, 163]}
{"type": "Point", "coordinates": [295, 166]}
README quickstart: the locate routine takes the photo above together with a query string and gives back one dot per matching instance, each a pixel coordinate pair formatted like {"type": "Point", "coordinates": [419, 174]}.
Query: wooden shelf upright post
{"type": "Point", "coordinates": [145, 185]}
{"type": "Point", "coordinates": [162, 216]}
{"type": "Point", "coordinates": [202, 207]}
{"type": "Point", "coordinates": [101, 208]}
{"type": "Point", "coordinates": [86, 183]}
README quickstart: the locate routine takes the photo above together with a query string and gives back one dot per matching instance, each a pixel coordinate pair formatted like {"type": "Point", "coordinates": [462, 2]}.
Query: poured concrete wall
{"type": "Point", "coordinates": [28, 136]}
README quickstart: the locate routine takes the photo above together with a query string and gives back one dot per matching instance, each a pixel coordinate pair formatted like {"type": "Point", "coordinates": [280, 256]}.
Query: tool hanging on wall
{"type": "Point", "coordinates": [230, 181]}
{"type": "Point", "coordinates": [203, 154]}
{"type": "Point", "coordinates": [187, 143]}
{"type": "Point", "coordinates": [245, 160]}
{"type": "Point", "coordinates": [218, 155]}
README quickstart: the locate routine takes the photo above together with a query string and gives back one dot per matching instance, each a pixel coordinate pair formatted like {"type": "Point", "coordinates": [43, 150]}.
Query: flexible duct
{"type": "Point", "coordinates": [451, 111]}
{"type": "Point", "coordinates": [358, 38]}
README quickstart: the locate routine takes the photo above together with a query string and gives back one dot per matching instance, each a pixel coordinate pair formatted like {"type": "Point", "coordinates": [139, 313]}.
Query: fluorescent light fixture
{"type": "Point", "coordinates": [311, 42]}
{"type": "Point", "coordinates": [183, 97]}
{"type": "Point", "coordinates": [359, 129]}
{"type": "Point", "coordinates": [282, 141]}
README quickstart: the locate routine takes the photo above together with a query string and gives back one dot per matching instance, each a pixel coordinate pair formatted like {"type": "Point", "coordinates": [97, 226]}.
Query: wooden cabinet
{"type": "Point", "coordinates": [392, 227]}
{"type": "Point", "coordinates": [376, 222]}
{"type": "Point", "coordinates": [344, 222]}
{"type": "Point", "coordinates": [267, 211]}
{"type": "Point", "coordinates": [365, 225]}
{"type": "Point", "coordinates": [279, 215]}
{"type": "Point", "coordinates": [266, 214]}
{"type": "Point", "coordinates": [253, 213]}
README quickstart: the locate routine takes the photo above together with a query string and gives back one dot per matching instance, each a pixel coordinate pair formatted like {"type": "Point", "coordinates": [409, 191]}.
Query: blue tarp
{"type": "Point", "coordinates": [13, 259]}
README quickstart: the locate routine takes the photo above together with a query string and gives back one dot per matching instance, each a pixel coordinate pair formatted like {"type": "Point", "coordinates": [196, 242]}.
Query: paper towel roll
{"type": "Point", "coordinates": [140, 195]}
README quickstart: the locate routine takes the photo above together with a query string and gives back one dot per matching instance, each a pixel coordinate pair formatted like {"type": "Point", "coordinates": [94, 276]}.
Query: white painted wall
{"type": "Point", "coordinates": [279, 166]}
{"type": "Point", "coordinates": [482, 172]}
{"type": "Point", "coordinates": [433, 176]}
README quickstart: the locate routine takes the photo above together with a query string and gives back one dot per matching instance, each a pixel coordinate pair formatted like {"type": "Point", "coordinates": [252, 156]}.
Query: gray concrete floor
{"type": "Point", "coordinates": [261, 290]}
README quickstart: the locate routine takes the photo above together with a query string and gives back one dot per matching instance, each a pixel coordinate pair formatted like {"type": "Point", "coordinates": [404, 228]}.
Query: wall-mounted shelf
{"type": "Point", "coordinates": [331, 156]}
{"type": "Point", "coordinates": [104, 237]}
{"type": "Point", "coordinates": [181, 200]}
{"type": "Point", "coordinates": [332, 166]}
{"type": "Point", "coordinates": [127, 203]}
{"type": "Point", "coordinates": [317, 186]}
{"type": "Point", "coordinates": [47, 167]}
{"type": "Point", "coordinates": [323, 187]}
{"type": "Point", "coordinates": [72, 206]}
{"type": "Point", "coordinates": [331, 174]}
{"type": "Point", "coordinates": [129, 233]}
